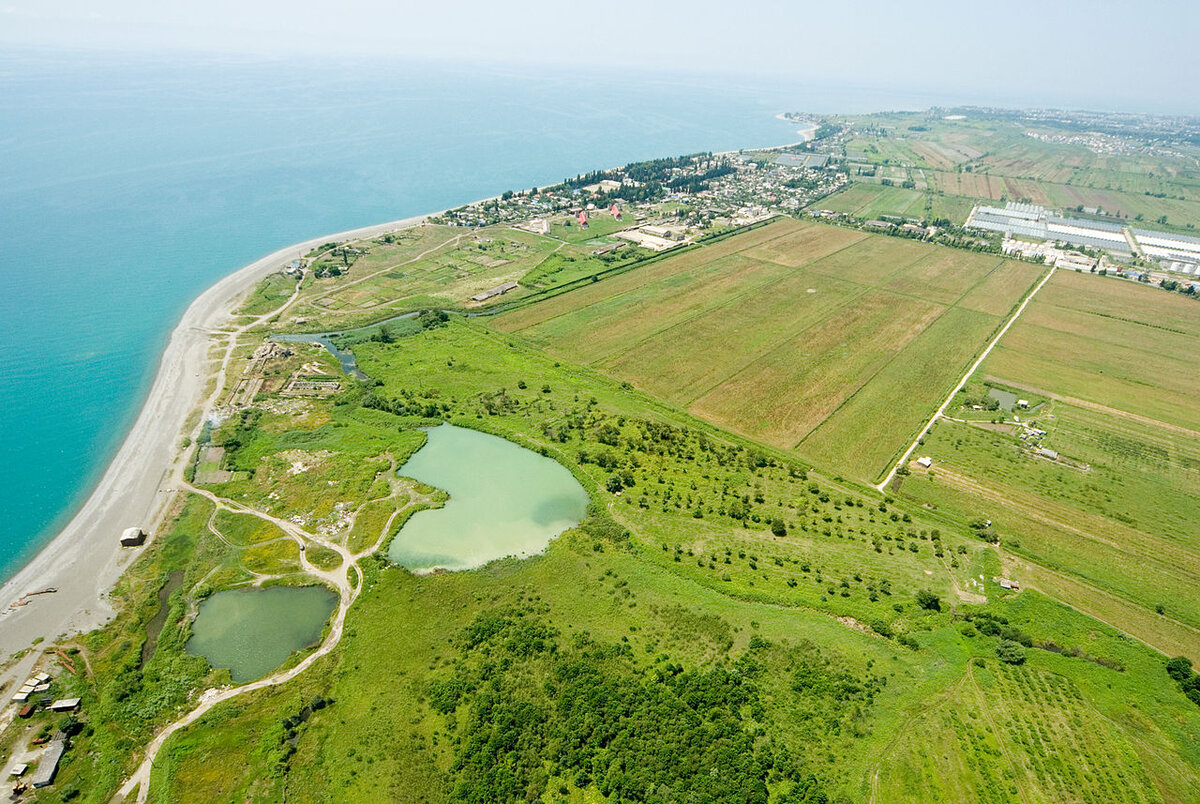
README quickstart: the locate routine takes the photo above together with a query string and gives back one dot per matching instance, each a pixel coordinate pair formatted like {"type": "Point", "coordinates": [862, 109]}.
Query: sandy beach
{"type": "Point", "coordinates": [85, 559]}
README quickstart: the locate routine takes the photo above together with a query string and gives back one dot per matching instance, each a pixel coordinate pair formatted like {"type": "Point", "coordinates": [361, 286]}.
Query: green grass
{"type": "Point", "coordinates": [1111, 343]}
{"type": "Point", "coordinates": [855, 689]}
{"type": "Point", "coordinates": [872, 200]}
{"type": "Point", "coordinates": [269, 294]}
{"type": "Point", "coordinates": [1130, 532]}
{"type": "Point", "coordinates": [668, 596]}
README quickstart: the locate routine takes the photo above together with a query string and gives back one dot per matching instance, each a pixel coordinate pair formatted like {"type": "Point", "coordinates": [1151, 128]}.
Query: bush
{"type": "Point", "coordinates": [1180, 668]}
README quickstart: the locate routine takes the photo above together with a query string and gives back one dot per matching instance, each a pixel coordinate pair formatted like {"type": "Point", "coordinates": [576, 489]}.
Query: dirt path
{"type": "Point", "coordinates": [338, 579]}
{"type": "Point", "coordinates": [962, 381]}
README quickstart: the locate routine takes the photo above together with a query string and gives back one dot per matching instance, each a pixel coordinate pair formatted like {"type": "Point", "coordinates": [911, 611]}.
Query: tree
{"type": "Point", "coordinates": [928, 600]}
{"type": "Point", "coordinates": [778, 528]}
{"type": "Point", "coordinates": [1010, 652]}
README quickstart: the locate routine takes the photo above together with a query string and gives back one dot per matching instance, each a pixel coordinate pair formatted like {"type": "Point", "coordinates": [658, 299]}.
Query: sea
{"type": "Point", "coordinates": [130, 183]}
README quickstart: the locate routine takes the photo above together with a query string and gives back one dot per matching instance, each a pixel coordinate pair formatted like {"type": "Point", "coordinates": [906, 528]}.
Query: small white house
{"type": "Point", "coordinates": [925, 462]}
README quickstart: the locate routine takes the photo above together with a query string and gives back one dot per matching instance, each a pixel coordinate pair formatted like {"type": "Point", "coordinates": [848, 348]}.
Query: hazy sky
{"type": "Point", "coordinates": [1141, 55]}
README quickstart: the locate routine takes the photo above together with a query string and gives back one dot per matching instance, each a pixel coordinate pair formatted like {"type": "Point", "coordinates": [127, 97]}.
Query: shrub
{"type": "Point", "coordinates": [928, 600]}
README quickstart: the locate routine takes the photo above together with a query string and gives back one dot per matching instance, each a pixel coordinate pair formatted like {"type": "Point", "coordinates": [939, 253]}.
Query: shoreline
{"type": "Point", "coordinates": [84, 560]}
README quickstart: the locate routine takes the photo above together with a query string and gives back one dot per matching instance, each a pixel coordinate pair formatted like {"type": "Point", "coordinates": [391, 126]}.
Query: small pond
{"type": "Point", "coordinates": [253, 631]}
{"type": "Point", "coordinates": [1007, 399]}
{"type": "Point", "coordinates": [505, 500]}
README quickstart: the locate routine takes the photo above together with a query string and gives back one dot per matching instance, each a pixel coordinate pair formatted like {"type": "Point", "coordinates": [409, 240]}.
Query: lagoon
{"type": "Point", "coordinates": [505, 500]}
{"type": "Point", "coordinates": [253, 631]}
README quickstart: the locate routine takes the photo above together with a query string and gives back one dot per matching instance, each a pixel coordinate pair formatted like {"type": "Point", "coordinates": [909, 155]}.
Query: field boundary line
{"type": "Point", "coordinates": [865, 288]}
{"type": "Point", "coordinates": [777, 345]}
{"type": "Point", "coordinates": [739, 298]}
{"type": "Point", "coordinates": [1094, 614]}
{"type": "Point", "coordinates": [660, 257]}
{"type": "Point", "coordinates": [948, 306]}
{"type": "Point", "coordinates": [962, 381]}
{"type": "Point", "coordinates": [851, 244]}
{"type": "Point", "coordinates": [1143, 552]}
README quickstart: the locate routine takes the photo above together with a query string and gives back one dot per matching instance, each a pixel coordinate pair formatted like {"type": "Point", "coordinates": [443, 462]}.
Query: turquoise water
{"type": "Point", "coordinates": [129, 186]}
{"type": "Point", "coordinates": [253, 631]}
{"type": "Point", "coordinates": [504, 500]}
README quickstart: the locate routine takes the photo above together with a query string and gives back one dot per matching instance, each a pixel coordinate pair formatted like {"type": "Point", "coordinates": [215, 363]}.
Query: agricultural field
{"type": "Point", "coordinates": [1006, 733]}
{"type": "Point", "coordinates": [1109, 520]}
{"type": "Point", "coordinates": [830, 643]}
{"type": "Point", "coordinates": [992, 159]}
{"type": "Point", "coordinates": [1109, 343]}
{"type": "Point", "coordinates": [797, 338]}
{"type": "Point", "coordinates": [864, 200]}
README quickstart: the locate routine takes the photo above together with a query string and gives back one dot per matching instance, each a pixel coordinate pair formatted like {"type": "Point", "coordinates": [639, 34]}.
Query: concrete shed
{"type": "Point", "coordinates": [133, 537]}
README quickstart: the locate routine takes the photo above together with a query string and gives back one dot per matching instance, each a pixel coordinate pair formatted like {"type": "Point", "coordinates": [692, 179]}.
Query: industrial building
{"type": "Point", "coordinates": [1030, 220]}
{"type": "Point", "coordinates": [1178, 253]}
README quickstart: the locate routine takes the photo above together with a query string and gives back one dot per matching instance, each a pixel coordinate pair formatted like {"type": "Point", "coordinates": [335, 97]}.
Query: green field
{"type": "Point", "coordinates": [844, 707]}
{"type": "Point", "coordinates": [1111, 525]}
{"type": "Point", "coordinates": [728, 623]}
{"type": "Point", "coordinates": [798, 339]}
{"type": "Point", "coordinates": [1110, 343]}
{"type": "Point", "coordinates": [443, 267]}
{"type": "Point", "coordinates": [872, 200]}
